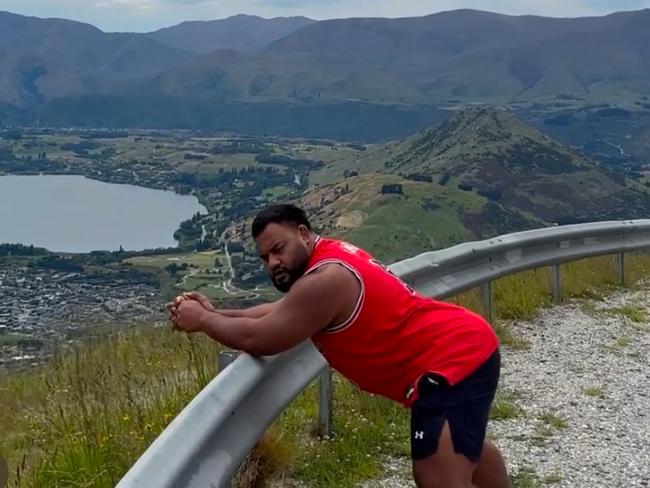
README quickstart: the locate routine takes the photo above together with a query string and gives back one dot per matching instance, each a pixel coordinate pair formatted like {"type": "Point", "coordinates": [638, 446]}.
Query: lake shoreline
{"type": "Point", "coordinates": [113, 190]}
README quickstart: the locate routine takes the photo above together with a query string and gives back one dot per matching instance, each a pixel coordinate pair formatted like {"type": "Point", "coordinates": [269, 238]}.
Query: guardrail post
{"type": "Point", "coordinates": [325, 402]}
{"type": "Point", "coordinates": [555, 283]}
{"type": "Point", "coordinates": [487, 301]}
{"type": "Point", "coordinates": [226, 358]}
{"type": "Point", "coordinates": [620, 267]}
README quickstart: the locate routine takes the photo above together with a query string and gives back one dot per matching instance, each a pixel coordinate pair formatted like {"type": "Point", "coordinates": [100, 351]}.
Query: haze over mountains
{"type": "Point", "coordinates": [64, 72]}
{"type": "Point", "coordinates": [482, 55]}
{"type": "Point", "coordinates": [43, 59]}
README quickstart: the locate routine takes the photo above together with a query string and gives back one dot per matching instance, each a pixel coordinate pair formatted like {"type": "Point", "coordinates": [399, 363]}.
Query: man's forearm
{"type": "Point", "coordinates": [255, 312]}
{"type": "Point", "coordinates": [232, 332]}
{"type": "Point", "coordinates": [258, 337]}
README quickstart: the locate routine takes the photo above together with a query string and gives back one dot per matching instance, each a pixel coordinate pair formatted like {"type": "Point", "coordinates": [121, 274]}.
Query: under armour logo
{"type": "Point", "coordinates": [419, 435]}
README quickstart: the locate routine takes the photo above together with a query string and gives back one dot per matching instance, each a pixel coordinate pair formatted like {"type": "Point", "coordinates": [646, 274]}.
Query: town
{"type": "Point", "coordinates": [42, 307]}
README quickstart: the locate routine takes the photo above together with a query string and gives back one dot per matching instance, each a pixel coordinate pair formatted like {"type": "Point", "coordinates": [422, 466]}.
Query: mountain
{"type": "Point", "coordinates": [241, 33]}
{"type": "Point", "coordinates": [235, 75]}
{"type": "Point", "coordinates": [497, 156]}
{"type": "Point", "coordinates": [366, 70]}
{"type": "Point", "coordinates": [462, 55]}
{"type": "Point", "coordinates": [43, 59]}
{"type": "Point", "coordinates": [479, 174]}
{"type": "Point", "coordinates": [467, 53]}
{"type": "Point", "coordinates": [395, 217]}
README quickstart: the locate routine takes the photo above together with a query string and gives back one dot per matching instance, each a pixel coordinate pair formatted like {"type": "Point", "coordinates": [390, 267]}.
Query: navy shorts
{"type": "Point", "coordinates": [465, 406]}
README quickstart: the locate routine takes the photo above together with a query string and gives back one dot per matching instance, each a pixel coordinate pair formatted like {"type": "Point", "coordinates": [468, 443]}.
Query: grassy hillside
{"type": "Point", "coordinates": [424, 216]}
{"type": "Point", "coordinates": [479, 174]}
{"type": "Point", "coordinates": [496, 155]}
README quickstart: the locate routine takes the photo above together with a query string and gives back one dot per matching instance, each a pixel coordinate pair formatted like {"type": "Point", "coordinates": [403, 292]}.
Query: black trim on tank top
{"type": "Point", "coordinates": [332, 329]}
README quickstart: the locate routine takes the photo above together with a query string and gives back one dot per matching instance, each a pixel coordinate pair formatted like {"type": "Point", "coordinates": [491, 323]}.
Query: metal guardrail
{"type": "Point", "coordinates": [209, 439]}
{"type": "Point", "coordinates": [449, 271]}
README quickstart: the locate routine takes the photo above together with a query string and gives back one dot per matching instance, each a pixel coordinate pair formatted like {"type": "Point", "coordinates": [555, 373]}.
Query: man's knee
{"type": "Point", "coordinates": [491, 471]}
{"type": "Point", "coordinates": [428, 477]}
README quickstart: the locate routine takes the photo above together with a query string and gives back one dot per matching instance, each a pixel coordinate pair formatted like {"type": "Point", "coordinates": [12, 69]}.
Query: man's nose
{"type": "Point", "coordinates": [274, 262]}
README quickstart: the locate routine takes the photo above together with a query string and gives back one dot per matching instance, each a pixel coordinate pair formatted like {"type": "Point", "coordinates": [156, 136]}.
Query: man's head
{"type": "Point", "coordinates": [283, 237]}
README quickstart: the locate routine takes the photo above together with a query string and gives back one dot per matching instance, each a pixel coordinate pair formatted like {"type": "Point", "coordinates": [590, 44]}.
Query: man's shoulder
{"type": "Point", "coordinates": [328, 281]}
{"type": "Point", "coordinates": [334, 244]}
{"type": "Point", "coordinates": [331, 269]}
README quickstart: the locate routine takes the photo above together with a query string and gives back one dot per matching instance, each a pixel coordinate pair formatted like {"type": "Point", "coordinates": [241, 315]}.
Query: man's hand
{"type": "Point", "coordinates": [189, 316]}
{"type": "Point", "coordinates": [202, 299]}
{"type": "Point", "coordinates": [172, 308]}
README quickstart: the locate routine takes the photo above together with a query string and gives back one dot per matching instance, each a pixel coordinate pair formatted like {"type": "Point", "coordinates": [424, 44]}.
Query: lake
{"type": "Point", "coordinates": [76, 214]}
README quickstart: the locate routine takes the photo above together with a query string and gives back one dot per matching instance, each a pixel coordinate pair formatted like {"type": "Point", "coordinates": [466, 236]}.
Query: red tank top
{"type": "Point", "coordinates": [395, 335]}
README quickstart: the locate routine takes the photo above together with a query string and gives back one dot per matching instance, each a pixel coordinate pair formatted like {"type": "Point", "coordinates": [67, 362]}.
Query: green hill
{"type": "Point", "coordinates": [495, 155]}
{"type": "Point", "coordinates": [396, 218]}
{"type": "Point", "coordinates": [481, 173]}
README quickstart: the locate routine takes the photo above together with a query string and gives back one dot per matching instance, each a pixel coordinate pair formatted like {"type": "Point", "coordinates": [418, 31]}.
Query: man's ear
{"type": "Point", "coordinates": [304, 232]}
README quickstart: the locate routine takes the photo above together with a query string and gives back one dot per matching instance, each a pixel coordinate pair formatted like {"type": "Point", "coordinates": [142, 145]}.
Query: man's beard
{"type": "Point", "coordinates": [284, 278]}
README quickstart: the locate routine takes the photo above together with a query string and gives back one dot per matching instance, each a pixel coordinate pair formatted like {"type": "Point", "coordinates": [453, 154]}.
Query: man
{"type": "Point", "coordinates": [440, 360]}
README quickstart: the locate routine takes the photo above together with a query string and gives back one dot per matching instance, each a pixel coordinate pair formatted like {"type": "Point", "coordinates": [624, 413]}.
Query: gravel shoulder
{"type": "Point", "coordinates": [584, 387]}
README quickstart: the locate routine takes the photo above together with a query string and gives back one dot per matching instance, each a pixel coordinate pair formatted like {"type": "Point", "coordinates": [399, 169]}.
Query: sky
{"type": "Point", "coordinates": [148, 15]}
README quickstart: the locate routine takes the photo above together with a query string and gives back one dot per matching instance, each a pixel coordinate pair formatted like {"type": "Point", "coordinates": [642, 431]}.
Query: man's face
{"type": "Point", "coordinates": [284, 249]}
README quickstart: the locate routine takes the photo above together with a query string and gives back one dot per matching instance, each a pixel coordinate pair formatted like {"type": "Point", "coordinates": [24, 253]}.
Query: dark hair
{"type": "Point", "coordinates": [279, 214]}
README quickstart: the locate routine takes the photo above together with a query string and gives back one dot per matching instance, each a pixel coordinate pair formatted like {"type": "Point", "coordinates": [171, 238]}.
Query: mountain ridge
{"type": "Point", "coordinates": [441, 60]}
{"type": "Point", "coordinates": [462, 180]}
{"type": "Point", "coordinates": [205, 36]}
{"type": "Point", "coordinates": [44, 59]}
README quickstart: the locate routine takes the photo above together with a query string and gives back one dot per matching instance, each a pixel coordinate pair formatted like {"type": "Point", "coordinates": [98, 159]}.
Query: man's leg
{"type": "Point", "coordinates": [491, 471]}
{"type": "Point", "coordinates": [456, 417]}
{"type": "Point", "coordinates": [444, 469]}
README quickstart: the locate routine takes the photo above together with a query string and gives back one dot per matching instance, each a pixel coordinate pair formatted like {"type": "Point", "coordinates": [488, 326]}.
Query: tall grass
{"type": "Point", "coordinates": [366, 428]}
{"type": "Point", "coordinates": [522, 295]}
{"type": "Point", "coordinates": [84, 418]}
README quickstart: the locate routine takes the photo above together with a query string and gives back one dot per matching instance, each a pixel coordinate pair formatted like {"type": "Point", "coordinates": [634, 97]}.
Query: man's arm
{"type": "Point", "coordinates": [252, 312]}
{"type": "Point", "coordinates": [328, 295]}
{"type": "Point", "coordinates": [256, 312]}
